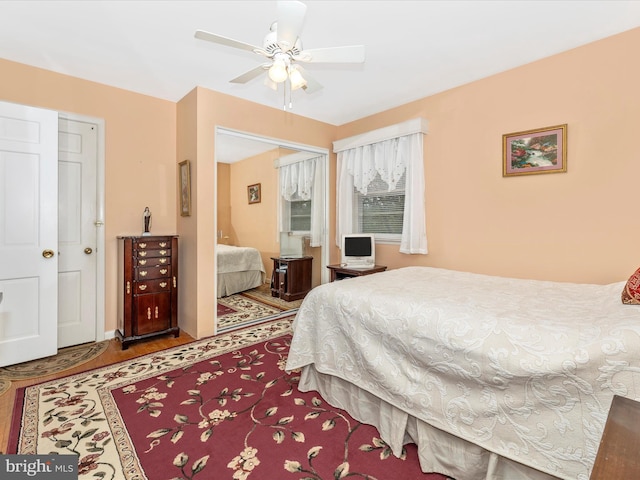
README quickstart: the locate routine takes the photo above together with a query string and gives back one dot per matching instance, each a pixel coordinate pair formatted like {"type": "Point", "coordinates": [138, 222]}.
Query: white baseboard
{"type": "Point", "coordinates": [110, 334]}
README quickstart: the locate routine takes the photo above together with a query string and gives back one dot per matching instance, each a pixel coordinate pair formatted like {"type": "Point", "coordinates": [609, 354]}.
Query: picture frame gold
{"type": "Point", "coordinates": [184, 170]}
{"type": "Point", "coordinates": [541, 150]}
{"type": "Point", "coordinates": [254, 195]}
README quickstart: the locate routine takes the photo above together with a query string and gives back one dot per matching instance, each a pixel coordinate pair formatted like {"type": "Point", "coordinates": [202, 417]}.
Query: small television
{"type": "Point", "coordinates": [358, 250]}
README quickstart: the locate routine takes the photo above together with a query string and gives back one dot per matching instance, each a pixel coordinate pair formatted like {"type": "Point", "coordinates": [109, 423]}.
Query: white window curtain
{"type": "Point", "coordinates": [305, 178]}
{"type": "Point", "coordinates": [389, 157]}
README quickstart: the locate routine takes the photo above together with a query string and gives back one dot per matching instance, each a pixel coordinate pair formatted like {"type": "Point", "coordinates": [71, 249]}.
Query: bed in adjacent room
{"type": "Point", "coordinates": [491, 377]}
{"type": "Point", "coordinates": [239, 269]}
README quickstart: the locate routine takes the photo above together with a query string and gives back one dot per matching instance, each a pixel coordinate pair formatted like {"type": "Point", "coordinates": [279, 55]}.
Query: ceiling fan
{"type": "Point", "coordinates": [283, 47]}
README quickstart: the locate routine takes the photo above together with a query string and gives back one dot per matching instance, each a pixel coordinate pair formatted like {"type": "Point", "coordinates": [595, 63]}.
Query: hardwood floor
{"type": "Point", "coordinates": [113, 354]}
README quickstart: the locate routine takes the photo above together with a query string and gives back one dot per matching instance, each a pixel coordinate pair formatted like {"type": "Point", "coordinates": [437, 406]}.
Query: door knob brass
{"type": "Point", "coordinates": [48, 253]}
{"type": "Point", "coordinates": [88, 251]}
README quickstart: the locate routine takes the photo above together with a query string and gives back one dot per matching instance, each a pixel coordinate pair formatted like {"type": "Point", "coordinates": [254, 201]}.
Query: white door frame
{"type": "Point", "coordinates": [100, 218]}
{"type": "Point", "coordinates": [219, 130]}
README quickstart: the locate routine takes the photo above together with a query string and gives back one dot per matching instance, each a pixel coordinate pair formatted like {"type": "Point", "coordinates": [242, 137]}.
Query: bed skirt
{"type": "Point", "coordinates": [438, 451]}
{"type": "Point", "coordinates": [235, 282]}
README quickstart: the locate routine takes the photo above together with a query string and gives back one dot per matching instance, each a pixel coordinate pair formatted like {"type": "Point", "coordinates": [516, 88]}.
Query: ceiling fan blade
{"type": "Point", "coordinates": [289, 24]}
{"type": "Point", "coordinates": [229, 42]}
{"type": "Point", "coordinates": [348, 54]}
{"type": "Point", "coordinates": [312, 84]}
{"type": "Point", "coordinates": [251, 74]}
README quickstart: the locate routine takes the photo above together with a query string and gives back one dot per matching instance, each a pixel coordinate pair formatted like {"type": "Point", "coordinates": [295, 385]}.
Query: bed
{"type": "Point", "coordinates": [239, 269]}
{"type": "Point", "coordinates": [491, 377]}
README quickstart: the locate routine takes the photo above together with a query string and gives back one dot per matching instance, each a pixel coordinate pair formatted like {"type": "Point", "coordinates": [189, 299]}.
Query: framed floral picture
{"type": "Point", "coordinates": [185, 188]}
{"type": "Point", "coordinates": [542, 150]}
{"type": "Point", "coordinates": [253, 193]}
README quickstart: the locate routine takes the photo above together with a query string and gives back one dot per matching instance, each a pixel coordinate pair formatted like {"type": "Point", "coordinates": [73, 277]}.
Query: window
{"type": "Point", "coordinates": [380, 211]}
{"type": "Point", "coordinates": [380, 186]}
{"type": "Point", "coordinates": [298, 212]}
{"type": "Point", "coordinates": [301, 184]}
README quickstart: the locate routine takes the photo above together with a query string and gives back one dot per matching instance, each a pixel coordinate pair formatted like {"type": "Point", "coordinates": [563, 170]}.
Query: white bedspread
{"type": "Point", "coordinates": [525, 369]}
{"type": "Point", "coordinates": [238, 259]}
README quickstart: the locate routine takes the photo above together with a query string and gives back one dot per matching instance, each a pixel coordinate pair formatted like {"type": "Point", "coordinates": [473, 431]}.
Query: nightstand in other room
{"type": "Point", "coordinates": [291, 277]}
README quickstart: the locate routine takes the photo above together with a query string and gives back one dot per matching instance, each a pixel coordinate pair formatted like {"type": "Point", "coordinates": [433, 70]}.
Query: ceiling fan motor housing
{"type": "Point", "coordinates": [271, 45]}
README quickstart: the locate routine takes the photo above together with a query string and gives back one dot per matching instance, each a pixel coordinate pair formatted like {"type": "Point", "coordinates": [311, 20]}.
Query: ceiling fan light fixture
{"type": "Point", "coordinates": [278, 71]}
{"type": "Point", "coordinates": [296, 78]}
{"type": "Point", "coordinates": [282, 47]}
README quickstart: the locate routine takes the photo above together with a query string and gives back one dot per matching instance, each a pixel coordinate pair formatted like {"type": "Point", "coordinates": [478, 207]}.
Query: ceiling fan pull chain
{"type": "Point", "coordinates": [284, 97]}
{"type": "Point", "coordinates": [290, 95]}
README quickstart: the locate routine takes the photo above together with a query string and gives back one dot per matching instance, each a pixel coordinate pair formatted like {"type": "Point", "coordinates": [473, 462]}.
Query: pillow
{"type": "Point", "coordinates": [631, 290]}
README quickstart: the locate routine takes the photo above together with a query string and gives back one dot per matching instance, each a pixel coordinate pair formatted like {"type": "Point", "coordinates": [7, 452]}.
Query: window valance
{"type": "Point", "coordinates": [416, 125]}
{"type": "Point", "coordinates": [301, 176]}
{"type": "Point", "coordinates": [389, 152]}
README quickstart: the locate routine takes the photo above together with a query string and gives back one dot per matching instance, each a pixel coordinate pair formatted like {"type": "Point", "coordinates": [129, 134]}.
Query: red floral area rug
{"type": "Point", "coordinates": [241, 312]}
{"type": "Point", "coordinates": [224, 310]}
{"type": "Point", "coordinates": [219, 408]}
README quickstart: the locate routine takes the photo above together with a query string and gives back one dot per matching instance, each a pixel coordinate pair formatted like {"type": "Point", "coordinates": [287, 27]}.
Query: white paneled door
{"type": "Point", "coordinates": [28, 233]}
{"type": "Point", "coordinates": [78, 149]}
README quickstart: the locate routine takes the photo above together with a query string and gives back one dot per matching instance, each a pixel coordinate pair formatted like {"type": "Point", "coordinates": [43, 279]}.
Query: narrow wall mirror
{"type": "Point", "coordinates": [254, 211]}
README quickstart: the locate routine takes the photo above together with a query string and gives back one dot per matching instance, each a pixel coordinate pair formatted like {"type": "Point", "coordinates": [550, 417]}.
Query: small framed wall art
{"type": "Point", "coordinates": [542, 150]}
{"type": "Point", "coordinates": [185, 188]}
{"type": "Point", "coordinates": [253, 193]}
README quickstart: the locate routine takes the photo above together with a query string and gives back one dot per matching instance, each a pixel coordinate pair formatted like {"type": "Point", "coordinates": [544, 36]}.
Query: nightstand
{"type": "Point", "coordinates": [339, 272]}
{"type": "Point", "coordinates": [291, 278]}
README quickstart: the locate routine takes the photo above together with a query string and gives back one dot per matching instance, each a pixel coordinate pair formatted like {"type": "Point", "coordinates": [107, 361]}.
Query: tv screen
{"type": "Point", "coordinates": [357, 246]}
{"type": "Point", "coordinates": [358, 250]}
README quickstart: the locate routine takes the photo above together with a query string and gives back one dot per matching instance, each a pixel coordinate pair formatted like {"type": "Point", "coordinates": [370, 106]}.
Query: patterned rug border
{"type": "Point", "coordinates": [26, 400]}
{"type": "Point", "coordinates": [234, 320]}
{"type": "Point", "coordinates": [241, 297]}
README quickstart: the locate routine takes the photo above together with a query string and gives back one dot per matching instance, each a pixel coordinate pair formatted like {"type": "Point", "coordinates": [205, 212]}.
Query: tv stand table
{"type": "Point", "coordinates": [340, 272]}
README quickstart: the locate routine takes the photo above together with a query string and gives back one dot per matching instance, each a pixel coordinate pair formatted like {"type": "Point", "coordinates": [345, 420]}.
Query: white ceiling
{"type": "Point", "coordinates": [413, 48]}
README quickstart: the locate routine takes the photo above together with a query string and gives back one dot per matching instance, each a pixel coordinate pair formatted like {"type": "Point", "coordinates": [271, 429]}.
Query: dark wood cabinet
{"type": "Point", "coordinates": [619, 451]}
{"type": "Point", "coordinates": [291, 277]}
{"type": "Point", "coordinates": [147, 287]}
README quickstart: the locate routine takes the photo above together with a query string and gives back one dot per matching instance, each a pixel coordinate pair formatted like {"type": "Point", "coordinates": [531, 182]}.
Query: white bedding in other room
{"type": "Point", "coordinates": [238, 269]}
{"type": "Point", "coordinates": [524, 369]}
{"type": "Point", "coordinates": [238, 259]}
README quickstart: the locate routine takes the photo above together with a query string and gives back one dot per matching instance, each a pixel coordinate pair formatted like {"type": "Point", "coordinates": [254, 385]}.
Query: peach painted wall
{"type": "Point", "coordinates": [223, 198]}
{"type": "Point", "coordinates": [256, 224]}
{"type": "Point", "coordinates": [578, 226]}
{"type": "Point", "coordinates": [210, 109]}
{"type": "Point", "coordinates": [140, 139]}
{"type": "Point", "coordinates": [187, 149]}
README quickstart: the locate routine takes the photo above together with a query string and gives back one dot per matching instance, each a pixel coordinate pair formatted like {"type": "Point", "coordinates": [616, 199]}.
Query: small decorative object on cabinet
{"type": "Point", "coordinates": [147, 287]}
{"type": "Point", "coordinates": [146, 216]}
{"type": "Point", "coordinates": [339, 272]}
{"type": "Point", "coordinates": [291, 277]}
